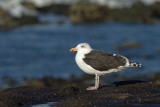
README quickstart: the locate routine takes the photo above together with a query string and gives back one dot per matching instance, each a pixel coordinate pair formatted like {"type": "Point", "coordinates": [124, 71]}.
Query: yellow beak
{"type": "Point", "coordinates": [73, 49]}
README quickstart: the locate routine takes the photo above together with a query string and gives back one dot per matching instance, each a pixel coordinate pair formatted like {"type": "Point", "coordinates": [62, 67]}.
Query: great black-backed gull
{"type": "Point", "coordinates": [99, 62]}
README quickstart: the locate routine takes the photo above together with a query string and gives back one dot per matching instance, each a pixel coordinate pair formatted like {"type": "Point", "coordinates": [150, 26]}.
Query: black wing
{"type": "Point", "coordinates": [104, 61]}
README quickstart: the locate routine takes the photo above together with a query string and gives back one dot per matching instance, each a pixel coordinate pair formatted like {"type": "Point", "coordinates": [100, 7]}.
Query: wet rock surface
{"type": "Point", "coordinates": [29, 5]}
{"type": "Point", "coordinates": [85, 13]}
{"type": "Point", "coordinates": [157, 49]}
{"type": "Point", "coordinates": [7, 21]}
{"type": "Point", "coordinates": [118, 93]}
{"type": "Point", "coordinates": [88, 13]}
{"type": "Point", "coordinates": [138, 12]}
{"type": "Point", "coordinates": [128, 44]}
{"type": "Point", "coordinates": [55, 8]}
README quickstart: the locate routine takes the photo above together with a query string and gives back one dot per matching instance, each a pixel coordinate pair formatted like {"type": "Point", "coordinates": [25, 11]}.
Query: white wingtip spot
{"type": "Point", "coordinates": [114, 54]}
{"type": "Point", "coordinates": [140, 65]}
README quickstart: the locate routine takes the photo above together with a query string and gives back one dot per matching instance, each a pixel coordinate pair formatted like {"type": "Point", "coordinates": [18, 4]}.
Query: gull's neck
{"type": "Point", "coordinates": [84, 51]}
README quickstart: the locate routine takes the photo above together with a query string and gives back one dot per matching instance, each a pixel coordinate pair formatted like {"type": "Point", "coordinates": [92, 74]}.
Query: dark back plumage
{"type": "Point", "coordinates": [103, 61]}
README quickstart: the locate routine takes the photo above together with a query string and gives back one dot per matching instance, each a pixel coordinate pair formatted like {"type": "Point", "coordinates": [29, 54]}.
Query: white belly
{"type": "Point", "coordinates": [84, 67]}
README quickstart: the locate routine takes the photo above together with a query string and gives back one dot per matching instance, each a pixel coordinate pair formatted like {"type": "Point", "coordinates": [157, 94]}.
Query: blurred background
{"type": "Point", "coordinates": [36, 37]}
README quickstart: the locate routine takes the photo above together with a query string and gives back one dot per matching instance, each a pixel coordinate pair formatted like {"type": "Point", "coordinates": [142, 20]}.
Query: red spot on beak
{"type": "Point", "coordinates": [73, 49]}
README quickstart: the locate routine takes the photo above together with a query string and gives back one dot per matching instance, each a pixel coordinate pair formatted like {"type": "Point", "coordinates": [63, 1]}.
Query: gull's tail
{"type": "Point", "coordinates": [134, 64]}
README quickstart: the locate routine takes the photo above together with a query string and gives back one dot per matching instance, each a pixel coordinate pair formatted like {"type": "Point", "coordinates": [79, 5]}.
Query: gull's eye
{"type": "Point", "coordinates": [82, 46]}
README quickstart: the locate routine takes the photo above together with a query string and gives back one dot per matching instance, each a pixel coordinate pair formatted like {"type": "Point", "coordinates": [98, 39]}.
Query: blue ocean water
{"type": "Point", "coordinates": [43, 50]}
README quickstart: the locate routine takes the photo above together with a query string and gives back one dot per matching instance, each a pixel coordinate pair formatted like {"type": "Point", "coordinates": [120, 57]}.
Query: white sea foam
{"type": "Point", "coordinates": [15, 8]}
{"type": "Point", "coordinates": [41, 3]}
{"type": "Point", "coordinates": [123, 3]}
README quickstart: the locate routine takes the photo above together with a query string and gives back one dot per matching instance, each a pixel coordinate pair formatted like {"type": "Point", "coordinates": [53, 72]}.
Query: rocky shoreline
{"type": "Point", "coordinates": [95, 13]}
{"type": "Point", "coordinates": [8, 22]}
{"type": "Point", "coordinates": [85, 13]}
{"type": "Point", "coordinates": [72, 92]}
{"type": "Point", "coordinates": [122, 93]}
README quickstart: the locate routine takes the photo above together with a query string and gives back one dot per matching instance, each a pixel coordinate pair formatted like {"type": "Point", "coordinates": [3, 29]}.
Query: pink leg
{"type": "Point", "coordinates": [97, 81]}
{"type": "Point", "coordinates": [96, 84]}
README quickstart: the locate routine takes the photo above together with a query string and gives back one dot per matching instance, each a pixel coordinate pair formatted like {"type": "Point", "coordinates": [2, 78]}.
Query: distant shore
{"type": "Point", "coordinates": [85, 13]}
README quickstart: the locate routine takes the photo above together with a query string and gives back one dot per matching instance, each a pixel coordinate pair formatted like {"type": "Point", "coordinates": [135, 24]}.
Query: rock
{"type": "Point", "coordinates": [35, 83]}
{"type": "Point", "coordinates": [118, 93]}
{"type": "Point", "coordinates": [139, 12]}
{"type": "Point", "coordinates": [154, 76]}
{"type": "Point", "coordinates": [29, 5]}
{"type": "Point", "coordinates": [9, 81]}
{"type": "Point", "coordinates": [128, 44]}
{"type": "Point", "coordinates": [4, 18]}
{"type": "Point", "coordinates": [8, 103]}
{"type": "Point", "coordinates": [7, 21]}
{"type": "Point", "coordinates": [81, 102]}
{"type": "Point", "coordinates": [128, 82]}
{"type": "Point", "coordinates": [131, 44]}
{"type": "Point", "coordinates": [60, 22]}
{"type": "Point", "coordinates": [148, 57]}
{"type": "Point", "coordinates": [46, 82]}
{"type": "Point", "coordinates": [87, 13]}
{"type": "Point", "coordinates": [55, 8]}
{"type": "Point", "coordinates": [52, 82]}
{"type": "Point", "coordinates": [27, 95]}
{"type": "Point", "coordinates": [126, 92]}
{"type": "Point", "coordinates": [155, 10]}
{"type": "Point", "coordinates": [110, 95]}
{"type": "Point", "coordinates": [157, 49]}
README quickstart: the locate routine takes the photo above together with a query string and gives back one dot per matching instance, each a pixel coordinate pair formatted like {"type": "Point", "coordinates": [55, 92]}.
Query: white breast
{"type": "Point", "coordinates": [82, 65]}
